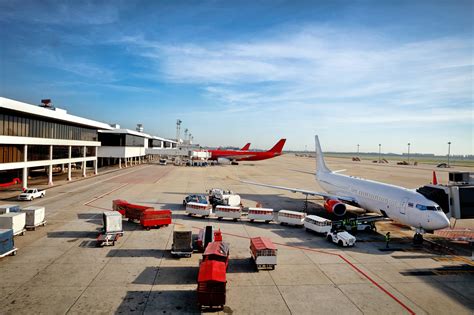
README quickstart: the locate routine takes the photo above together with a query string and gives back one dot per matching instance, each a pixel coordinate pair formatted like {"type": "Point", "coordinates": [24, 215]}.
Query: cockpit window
{"type": "Point", "coordinates": [431, 208]}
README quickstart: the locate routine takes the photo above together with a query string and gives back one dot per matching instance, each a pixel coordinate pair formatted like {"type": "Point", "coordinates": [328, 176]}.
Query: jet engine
{"type": "Point", "coordinates": [223, 161]}
{"type": "Point", "coordinates": [335, 206]}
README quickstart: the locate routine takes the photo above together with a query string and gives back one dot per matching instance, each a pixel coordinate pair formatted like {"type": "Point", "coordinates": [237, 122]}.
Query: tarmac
{"type": "Point", "coordinates": [58, 269]}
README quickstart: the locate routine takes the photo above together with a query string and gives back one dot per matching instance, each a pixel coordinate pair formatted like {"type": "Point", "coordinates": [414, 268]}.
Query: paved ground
{"type": "Point", "coordinates": [58, 270]}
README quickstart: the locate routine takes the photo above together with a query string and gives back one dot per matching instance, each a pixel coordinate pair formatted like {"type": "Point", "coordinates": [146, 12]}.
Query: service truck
{"type": "Point", "coordinates": [341, 238]}
{"type": "Point", "coordinates": [31, 193]}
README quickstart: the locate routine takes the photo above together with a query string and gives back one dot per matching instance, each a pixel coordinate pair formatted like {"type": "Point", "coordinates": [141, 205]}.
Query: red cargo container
{"type": "Point", "coordinates": [211, 287]}
{"type": "Point", "coordinates": [217, 251]}
{"type": "Point", "coordinates": [135, 212]}
{"type": "Point", "coordinates": [155, 218]}
{"type": "Point", "coordinates": [120, 206]}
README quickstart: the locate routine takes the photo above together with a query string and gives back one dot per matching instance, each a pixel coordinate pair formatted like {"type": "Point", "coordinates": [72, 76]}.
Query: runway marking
{"type": "Point", "coordinates": [105, 194]}
{"type": "Point", "coordinates": [345, 260]}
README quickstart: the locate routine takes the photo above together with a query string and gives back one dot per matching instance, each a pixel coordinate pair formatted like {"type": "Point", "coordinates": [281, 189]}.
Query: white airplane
{"type": "Point", "coordinates": [397, 203]}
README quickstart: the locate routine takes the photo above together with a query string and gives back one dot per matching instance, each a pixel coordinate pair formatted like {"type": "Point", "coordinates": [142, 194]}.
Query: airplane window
{"type": "Point", "coordinates": [421, 207]}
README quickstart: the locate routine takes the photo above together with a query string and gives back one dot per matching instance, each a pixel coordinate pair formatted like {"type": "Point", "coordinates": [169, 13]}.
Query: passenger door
{"type": "Point", "coordinates": [403, 205]}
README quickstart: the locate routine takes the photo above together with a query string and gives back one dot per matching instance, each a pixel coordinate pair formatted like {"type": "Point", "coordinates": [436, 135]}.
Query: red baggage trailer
{"type": "Point", "coordinates": [218, 251]}
{"type": "Point", "coordinates": [263, 252]}
{"type": "Point", "coordinates": [155, 218]}
{"type": "Point", "coordinates": [206, 236]}
{"type": "Point", "coordinates": [135, 212]}
{"type": "Point", "coordinates": [211, 289]}
{"type": "Point", "coordinates": [120, 206]}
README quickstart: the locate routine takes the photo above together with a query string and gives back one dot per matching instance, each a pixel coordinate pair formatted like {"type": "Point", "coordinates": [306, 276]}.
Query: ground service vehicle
{"type": "Point", "coordinates": [31, 194]}
{"type": "Point", "coordinates": [341, 238]}
{"type": "Point", "coordinates": [207, 235]}
{"type": "Point", "coordinates": [291, 217]}
{"type": "Point", "coordinates": [218, 251]}
{"type": "Point", "coordinates": [223, 197]}
{"type": "Point", "coordinates": [228, 212]}
{"type": "Point", "coordinates": [201, 209]}
{"type": "Point", "coordinates": [263, 252]}
{"type": "Point", "coordinates": [211, 289]}
{"type": "Point", "coordinates": [163, 162]}
{"type": "Point", "coordinates": [197, 198]}
{"type": "Point", "coordinates": [261, 214]}
{"type": "Point", "coordinates": [317, 224]}
{"type": "Point", "coordinates": [155, 218]}
{"type": "Point", "coordinates": [182, 241]}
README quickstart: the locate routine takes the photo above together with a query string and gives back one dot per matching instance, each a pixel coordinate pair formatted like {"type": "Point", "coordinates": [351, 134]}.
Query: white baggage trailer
{"type": "Point", "coordinates": [261, 214]}
{"type": "Point", "coordinates": [317, 224]}
{"type": "Point", "coordinates": [34, 216]}
{"type": "Point", "coordinates": [198, 209]}
{"type": "Point", "coordinates": [9, 208]}
{"type": "Point", "coordinates": [291, 217]}
{"type": "Point", "coordinates": [228, 212]}
{"type": "Point", "coordinates": [15, 221]}
{"type": "Point", "coordinates": [112, 222]}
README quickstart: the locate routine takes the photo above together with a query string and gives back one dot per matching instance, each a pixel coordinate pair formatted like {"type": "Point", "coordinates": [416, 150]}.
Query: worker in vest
{"type": "Point", "coordinates": [354, 225]}
{"type": "Point", "coordinates": [387, 239]}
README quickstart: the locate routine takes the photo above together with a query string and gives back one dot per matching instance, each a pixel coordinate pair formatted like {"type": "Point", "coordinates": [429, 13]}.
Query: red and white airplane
{"type": "Point", "coordinates": [245, 147]}
{"type": "Point", "coordinates": [229, 156]}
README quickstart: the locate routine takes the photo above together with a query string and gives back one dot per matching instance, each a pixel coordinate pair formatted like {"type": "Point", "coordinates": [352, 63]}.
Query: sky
{"type": "Point", "coordinates": [353, 72]}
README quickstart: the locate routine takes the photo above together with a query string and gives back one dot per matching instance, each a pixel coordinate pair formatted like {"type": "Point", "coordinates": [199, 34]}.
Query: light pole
{"type": "Point", "coordinates": [408, 152]}
{"type": "Point", "coordinates": [449, 151]}
{"type": "Point", "coordinates": [358, 145]}
{"type": "Point", "coordinates": [380, 150]}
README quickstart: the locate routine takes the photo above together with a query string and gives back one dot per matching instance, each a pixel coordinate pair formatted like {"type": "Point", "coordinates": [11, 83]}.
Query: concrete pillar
{"type": "Point", "coordinates": [50, 173]}
{"type": "Point", "coordinates": [69, 166]}
{"type": "Point", "coordinates": [125, 162]}
{"type": "Point", "coordinates": [95, 162]}
{"type": "Point", "coordinates": [139, 160]}
{"type": "Point", "coordinates": [84, 165]}
{"type": "Point", "coordinates": [25, 169]}
{"type": "Point", "coordinates": [120, 162]}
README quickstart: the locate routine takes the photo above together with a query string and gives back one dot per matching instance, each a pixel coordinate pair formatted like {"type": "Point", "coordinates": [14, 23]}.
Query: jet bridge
{"type": "Point", "coordinates": [456, 198]}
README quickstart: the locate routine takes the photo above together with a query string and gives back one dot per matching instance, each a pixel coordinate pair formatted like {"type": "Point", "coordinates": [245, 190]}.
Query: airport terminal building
{"type": "Point", "coordinates": [43, 137]}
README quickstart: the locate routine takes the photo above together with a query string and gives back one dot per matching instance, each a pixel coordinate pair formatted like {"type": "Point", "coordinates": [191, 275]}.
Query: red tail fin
{"type": "Point", "coordinates": [435, 180]}
{"type": "Point", "coordinates": [245, 147]}
{"type": "Point", "coordinates": [279, 146]}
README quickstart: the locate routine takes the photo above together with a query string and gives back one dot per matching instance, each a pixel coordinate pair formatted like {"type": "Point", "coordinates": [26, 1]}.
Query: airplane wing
{"type": "Point", "coordinates": [349, 200]}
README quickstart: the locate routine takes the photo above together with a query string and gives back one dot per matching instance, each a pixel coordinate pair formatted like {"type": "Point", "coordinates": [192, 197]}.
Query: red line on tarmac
{"type": "Point", "coordinates": [346, 261]}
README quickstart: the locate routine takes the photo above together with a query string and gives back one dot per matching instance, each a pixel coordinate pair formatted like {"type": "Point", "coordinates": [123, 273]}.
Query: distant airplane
{"type": "Point", "coordinates": [245, 147]}
{"type": "Point", "coordinates": [229, 156]}
{"type": "Point", "coordinates": [397, 203]}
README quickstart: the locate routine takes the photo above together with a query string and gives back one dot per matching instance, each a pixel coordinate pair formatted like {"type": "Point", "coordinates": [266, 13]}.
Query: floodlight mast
{"type": "Point", "coordinates": [178, 129]}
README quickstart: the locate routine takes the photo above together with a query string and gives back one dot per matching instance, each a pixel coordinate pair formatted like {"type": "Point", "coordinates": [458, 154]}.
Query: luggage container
{"type": "Point", "coordinates": [112, 222]}
{"type": "Point", "coordinates": [317, 224]}
{"type": "Point", "coordinates": [135, 212]}
{"type": "Point", "coordinates": [228, 212]}
{"type": "Point", "coordinates": [155, 218]}
{"type": "Point", "coordinates": [263, 252]}
{"type": "Point", "coordinates": [34, 217]}
{"type": "Point", "coordinates": [7, 244]}
{"type": "Point", "coordinates": [291, 217]}
{"type": "Point", "coordinates": [218, 251]}
{"type": "Point", "coordinates": [211, 289]}
{"type": "Point", "coordinates": [201, 209]}
{"type": "Point", "coordinates": [119, 206]}
{"type": "Point", "coordinates": [9, 208]}
{"type": "Point", "coordinates": [182, 241]}
{"type": "Point", "coordinates": [261, 214]}
{"type": "Point", "coordinates": [15, 221]}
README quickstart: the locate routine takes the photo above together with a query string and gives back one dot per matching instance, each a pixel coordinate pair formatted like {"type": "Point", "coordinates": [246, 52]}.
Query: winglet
{"type": "Point", "coordinates": [278, 147]}
{"type": "Point", "coordinates": [245, 147]}
{"type": "Point", "coordinates": [320, 165]}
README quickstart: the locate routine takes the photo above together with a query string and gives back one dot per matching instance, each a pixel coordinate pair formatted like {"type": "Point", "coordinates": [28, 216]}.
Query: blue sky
{"type": "Point", "coordinates": [354, 72]}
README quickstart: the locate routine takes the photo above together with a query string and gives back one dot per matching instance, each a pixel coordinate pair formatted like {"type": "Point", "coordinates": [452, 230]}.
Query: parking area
{"type": "Point", "coordinates": [59, 270]}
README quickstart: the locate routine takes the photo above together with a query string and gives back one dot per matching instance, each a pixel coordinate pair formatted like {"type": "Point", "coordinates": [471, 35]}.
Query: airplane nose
{"type": "Point", "coordinates": [440, 221]}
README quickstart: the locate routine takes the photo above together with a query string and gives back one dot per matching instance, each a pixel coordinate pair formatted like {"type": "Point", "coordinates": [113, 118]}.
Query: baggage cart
{"type": "Point", "coordinates": [264, 253]}
{"type": "Point", "coordinates": [228, 212]}
{"type": "Point", "coordinates": [218, 251]}
{"type": "Point", "coordinates": [201, 209]}
{"type": "Point", "coordinates": [6, 208]}
{"type": "Point", "coordinates": [112, 222]}
{"type": "Point", "coordinates": [7, 244]}
{"type": "Point", "coordinates": [287, 217]}
{"type": "Point", "coordinates": [317, 224]}
{"type": "Point", "coordinates": [135, 212]}
{"type": "Point", "coordinates": [211, 289]}
{"type": "Point", "coordinates": [34, 217]}
{"type": "Point", "coordinates": [15, 221]}
{"type": "Point", "coordinates": [207, 235]}
{"type": "Point", "coordinates": [182, 241]}
{"type": "Point", "coordinates": [261, 214]}
{"type": "Point", "coordinates": [119, 205]}
{"type": "Point", "coordinates": [107, 239]}
{"type": "Point", "coordinates": [155, 218]}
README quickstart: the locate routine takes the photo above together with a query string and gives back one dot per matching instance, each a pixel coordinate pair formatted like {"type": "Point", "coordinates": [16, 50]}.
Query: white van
{"type": "Point", "coordinates": [291, 217]}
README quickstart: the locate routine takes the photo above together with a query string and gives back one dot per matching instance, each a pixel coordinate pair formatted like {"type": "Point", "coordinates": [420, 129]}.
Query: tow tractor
{"type": "Point", "coordinates": [341, 238]}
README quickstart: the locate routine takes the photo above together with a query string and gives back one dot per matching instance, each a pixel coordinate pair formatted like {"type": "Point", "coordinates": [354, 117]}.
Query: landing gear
{"type": "Point", "coordinates": [418, 239]}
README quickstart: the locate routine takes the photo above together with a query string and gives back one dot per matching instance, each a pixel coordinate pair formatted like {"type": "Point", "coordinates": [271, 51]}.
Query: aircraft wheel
{"type": "Point", "coordinates": [418, 239]}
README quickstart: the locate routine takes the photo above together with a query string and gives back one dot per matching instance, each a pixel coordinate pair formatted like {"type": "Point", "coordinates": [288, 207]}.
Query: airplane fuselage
{"type": "Point", "coordinates": [400, 204]}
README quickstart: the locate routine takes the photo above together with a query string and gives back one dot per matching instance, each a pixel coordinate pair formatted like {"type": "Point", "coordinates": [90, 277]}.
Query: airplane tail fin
{"type": "Point", "coordinates": [320, 165]}
{"type": "Point", "coordinates": [245, 147]}
{"type": "Point", "coordinates": [278, 147]}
